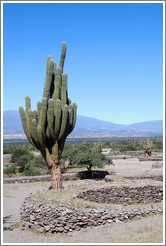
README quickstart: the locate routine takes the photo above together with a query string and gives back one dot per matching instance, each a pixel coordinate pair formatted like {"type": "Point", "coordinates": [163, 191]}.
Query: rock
{"type": "Point", "coordinates": [67, 218]}
{"type": "Point", "coordinates": [157, 165]}
{"type": "Point", "coordinates": [109, 178]}
{"type": "Point", "coordinates": [66, 228]}
{"type": "Point", "coordinates": [40, 229]}
{"type": "Point", "coordinates": [47, 228]}
{"type": "Point", "coordinates": [59, 229]}
{"type": "Point", "coordinates": [110, 221]}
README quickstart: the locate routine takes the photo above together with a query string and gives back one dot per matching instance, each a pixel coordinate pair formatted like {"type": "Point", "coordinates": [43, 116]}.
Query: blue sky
{"type": "Point", "coordinates": [114, 57]}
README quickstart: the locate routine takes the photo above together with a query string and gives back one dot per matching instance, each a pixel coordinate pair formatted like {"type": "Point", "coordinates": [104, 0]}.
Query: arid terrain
{"type": "Point", "coordinates": [147, 229]}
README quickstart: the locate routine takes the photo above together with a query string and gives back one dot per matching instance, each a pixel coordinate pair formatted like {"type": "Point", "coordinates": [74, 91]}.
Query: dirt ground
{"type": "Point", "coordinates": [145, 230]}
{"type": "Point", "coordinates": [134, 167]}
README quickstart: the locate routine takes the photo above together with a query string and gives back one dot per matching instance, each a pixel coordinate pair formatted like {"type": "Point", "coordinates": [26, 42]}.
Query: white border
{"type": "Point", "coordinates": [164, 122]}
{"type": "Point", "coordinates": [2, 2]}
{"type": "Point", "coordinates": [1, 122]}
{"type": "Point", "coordinates": [83, 1]}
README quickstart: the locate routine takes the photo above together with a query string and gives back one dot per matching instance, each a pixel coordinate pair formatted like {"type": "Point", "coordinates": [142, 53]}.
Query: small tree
{"type": "Point", "coordinates": [55, 118]}
{"type": "Point", "coordinates": [83, 155]}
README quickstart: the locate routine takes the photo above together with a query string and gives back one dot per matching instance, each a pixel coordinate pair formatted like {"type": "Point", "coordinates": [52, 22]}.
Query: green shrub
{"type": "Point", "coordinates": [30, 168]}
{"type": "Point", "coordinates": [10, 170]}
{"type": "Point", "coordinates": [39, 161]}
{"type": "Point", "coordinates": [23, 161]}
{"type": "Point", "coordinates": [17, 153]}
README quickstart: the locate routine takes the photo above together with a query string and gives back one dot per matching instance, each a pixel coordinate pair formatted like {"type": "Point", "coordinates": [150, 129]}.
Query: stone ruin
{"type": "Point", "coordinates": [63, 218]}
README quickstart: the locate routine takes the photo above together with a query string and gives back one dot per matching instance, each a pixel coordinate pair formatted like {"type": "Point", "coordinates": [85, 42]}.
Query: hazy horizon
{"type": "Point", "coordinates": [102, 120]}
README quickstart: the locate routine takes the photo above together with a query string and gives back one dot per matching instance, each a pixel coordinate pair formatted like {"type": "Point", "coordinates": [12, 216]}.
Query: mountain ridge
{"type": "Point", "coordinates": [88, 126]}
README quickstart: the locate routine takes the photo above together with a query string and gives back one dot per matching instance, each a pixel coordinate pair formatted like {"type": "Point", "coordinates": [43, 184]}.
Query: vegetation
{"type": "Point", "coordinates": [136, 144]}
{"type": "Point", "coordinates": [75, 155]}
{"type": "Point", "coordinates": [24, 163]}
{"type": "Point", "coordinates": [55, 118]}
{"type": "Point", "coordinates": [83, 155]}
{"type": "Point", "coordinates": [148, 148]}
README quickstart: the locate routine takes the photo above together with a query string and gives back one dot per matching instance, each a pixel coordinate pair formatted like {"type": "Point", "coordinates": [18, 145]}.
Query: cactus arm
{"type": "Point", "coordinates": [48, 158]}
{"type": "Point", "coordinates": [49, 77]}
{"type": "Point", "coordinates": [43, 117]}
{"type": "Point", "coordinates": [72, 118]}
{"type": "Point", "coordinates": [29, 121]}
{"type": "Point", "coordinates": [57, 84]}
{"type": "Point", "coordinates": [64, 89]}
{"type": "Point", "coordinates": [39, 104]}
{"type": "Point", "coordinates": [24, 121]}
{"type": "Point", "coordinates": [40, 137]}
{"type": "Point", "coordinates": [27, 104]}
{"type": "Point", "coordinates": [48, 58]}
{"type": "Point", "coordinates": [64, 122]}
{"type": "Point", "coordinates": [34, 135]}
{"type": "Point", "coordinates": [50, 119]}
{"type": "Point", "coordinates": [30, 126]}
{"type": "Point", "coordinates": [63, 54]}
{"type": "Point", "coordinates": [74, 115]}
{"type": "Point", "coordinates": [34, 114]}
{"type": "Point", "coordinates": [53, 79]}
{"type": "Point", "coordinates": [57, 113]}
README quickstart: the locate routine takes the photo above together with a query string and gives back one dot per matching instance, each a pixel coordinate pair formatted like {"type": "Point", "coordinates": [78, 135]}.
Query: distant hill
{"type": "Point", "coordinates": [12, 122]}
{"type": "Point", "coordinates": [89, 126]}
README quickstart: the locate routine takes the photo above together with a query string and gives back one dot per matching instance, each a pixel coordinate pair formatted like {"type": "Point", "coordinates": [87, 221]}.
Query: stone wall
{"type": "Point", "coordinates": [66, 218]}
{"type": "Point", "coordinates": [27, 179]}
{"type": "Point", "coordinates": [66, 176]}
{"type": "Point", "coordinates": [147, 176]}
{"type": "Point", "coordinates": [124, 195]}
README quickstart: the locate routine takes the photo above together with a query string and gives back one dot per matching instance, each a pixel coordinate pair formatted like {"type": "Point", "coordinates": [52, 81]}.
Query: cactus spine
{"type": "Point", "coordinates": [55, 118]}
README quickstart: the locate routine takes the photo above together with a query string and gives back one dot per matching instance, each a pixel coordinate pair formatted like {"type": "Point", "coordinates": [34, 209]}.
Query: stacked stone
{"type": "Point", "coordinates": [124, 195]}
{"type": "Point", "coordinates": [27, 179]}
{"type": "Point", "coordinates": [65, 218]}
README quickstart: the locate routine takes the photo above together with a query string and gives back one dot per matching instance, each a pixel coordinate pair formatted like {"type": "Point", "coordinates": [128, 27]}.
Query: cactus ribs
{"type": "Point", "coordinates": [55, 118]}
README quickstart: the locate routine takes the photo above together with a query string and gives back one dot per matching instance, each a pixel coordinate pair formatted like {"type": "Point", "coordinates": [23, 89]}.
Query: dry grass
{"type": "Point", "coordinates": [72, 188]}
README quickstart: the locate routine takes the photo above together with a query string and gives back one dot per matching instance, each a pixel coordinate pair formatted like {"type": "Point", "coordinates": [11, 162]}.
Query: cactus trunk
{"type": "Point", "coordinates": [55, 118]}
{"type": "Point", "coordinates": [56, 176]}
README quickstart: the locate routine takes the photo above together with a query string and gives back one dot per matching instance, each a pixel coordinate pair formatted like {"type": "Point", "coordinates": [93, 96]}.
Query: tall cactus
{"type": "Point", "coordinates": [55, 118]}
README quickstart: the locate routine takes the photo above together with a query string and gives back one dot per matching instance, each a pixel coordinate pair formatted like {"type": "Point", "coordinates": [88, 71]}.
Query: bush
{"type": "Point", "coordinates": [30, 168]}
{"type": "Point", "coordinates": [17, 153]}
{"type": "Point", "coordinates": [10, 170]}
{"type": "Point", "coordinates": [39, 161]}
{"type": "Point", "coordinates": [23, 161]}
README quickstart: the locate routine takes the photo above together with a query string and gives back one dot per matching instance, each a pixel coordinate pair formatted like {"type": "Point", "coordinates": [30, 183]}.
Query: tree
{"type": "Point", "coordinates": [55, 118]}
{"type": "Point", "coordinates": [85, 155]}
{"type": "Point", "coordinates": [89, 160]}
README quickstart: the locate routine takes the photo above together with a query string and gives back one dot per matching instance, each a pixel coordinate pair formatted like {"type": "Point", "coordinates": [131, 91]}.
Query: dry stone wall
{"type": "Point", "coordinates": [124, 195]}
{"type": "Point", "coordinates": [66, 218]}
{"type": "Point", "coordinates": [27, 179]}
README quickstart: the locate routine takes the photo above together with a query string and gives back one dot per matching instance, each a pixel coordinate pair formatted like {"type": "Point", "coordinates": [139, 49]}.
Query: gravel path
{"type": "Point", "coordinates": [144, 230]}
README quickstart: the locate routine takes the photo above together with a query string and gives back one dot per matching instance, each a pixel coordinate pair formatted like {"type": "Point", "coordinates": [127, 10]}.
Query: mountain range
{"type": "Point", "coordinates": [90, 127]}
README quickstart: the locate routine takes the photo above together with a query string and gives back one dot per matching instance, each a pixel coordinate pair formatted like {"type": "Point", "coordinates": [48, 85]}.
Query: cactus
{"type": "Point", "coordinates": [97, 147]}
{"type": "Point", "coordinates": [55, 118]}
{"type": "Point", "coordinates": [148, 148]}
